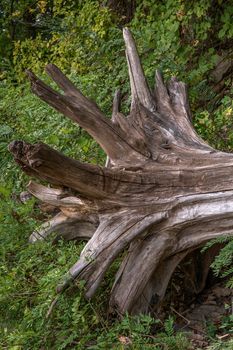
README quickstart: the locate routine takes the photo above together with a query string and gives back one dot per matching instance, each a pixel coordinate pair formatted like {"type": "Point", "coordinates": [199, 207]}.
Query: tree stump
{"type": "Point", "coordinates": [162, 194]}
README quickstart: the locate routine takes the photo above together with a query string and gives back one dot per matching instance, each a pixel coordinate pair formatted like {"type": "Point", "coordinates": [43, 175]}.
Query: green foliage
{"type": "Point", "coordinates": [84, 39]}
{"type": "Point", "coordinates": [23, 116]}
{"type": "Point", "coordinates": [175, 37]}
{"type": "Point", "coordinates": [77, 45]}
{"type": "Point", "coordinates": [223, 263]}
{"type": "Point", "coordinates": [28, 276]}
{"type": "Point", "coordinates": [221, 345]}
{"type": "Point", "coordinates": [136, 330]}
{"type": "Point", "coordinates": [216, 127]}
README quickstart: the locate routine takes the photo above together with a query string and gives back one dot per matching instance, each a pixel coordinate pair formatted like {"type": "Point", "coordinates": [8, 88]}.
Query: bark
{"type": "Point", "coordinates": [162, 194]}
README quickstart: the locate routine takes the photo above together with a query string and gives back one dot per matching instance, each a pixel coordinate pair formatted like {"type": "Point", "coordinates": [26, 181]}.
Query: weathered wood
{"type": "Point", "coordinates": [140, 91]}
{"type": "Point", "coordinates": [65, 227]}
{"type": "Point", "coordinates": [116, 105]}
{"type": "Point", "coordinates": [162, 194]}
{"type": "Point", "coordinates": [86, 113]}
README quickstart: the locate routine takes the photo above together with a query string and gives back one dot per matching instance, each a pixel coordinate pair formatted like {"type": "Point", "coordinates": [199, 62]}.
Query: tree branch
{"type": "Point", "coordinates": [109, 240]}
{"type": "Point", "coordinates": [162, 96]}
{"type": "Point", "coordinates": [47, 163]}
{"type": "Point", "coordinates": [179, 97]}
{"type": "Point", "coordinates": [56, 197]}
{"type": "Point", "coordinates": [126, 290]}
{"type": "Point", "coordinates": [139, 88]}
{"type": "Point", "coordinates": [116, 104]}
{"type": "Point", "coordinates": [86, 113]}
{"type": "Point", "coordinates": [63, 226]}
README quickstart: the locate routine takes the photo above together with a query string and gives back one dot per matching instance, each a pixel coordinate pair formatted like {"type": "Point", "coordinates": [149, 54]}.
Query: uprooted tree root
{"type": "Point", "coordinates": [162, 194]}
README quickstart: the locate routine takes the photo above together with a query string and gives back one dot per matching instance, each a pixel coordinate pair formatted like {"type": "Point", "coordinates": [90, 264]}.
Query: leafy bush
{"type": "Point", "coordinates": [221, 345]}
{"type": "Point", "coordinates": [84, 39]}
{"type": "Point", "coordinates": [216, 127]}
{"type": "Point", "coordinates": [222, 265]}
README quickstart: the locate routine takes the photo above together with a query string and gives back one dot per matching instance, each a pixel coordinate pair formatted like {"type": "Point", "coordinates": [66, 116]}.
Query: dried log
{"type": "Point", "coordinates": [162, 194]}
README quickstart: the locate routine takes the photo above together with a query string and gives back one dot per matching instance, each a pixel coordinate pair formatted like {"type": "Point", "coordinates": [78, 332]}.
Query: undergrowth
{"type": "Point", "coordinates": [84, 39]}
{"type": "Point", "coordinates": [28, 277]}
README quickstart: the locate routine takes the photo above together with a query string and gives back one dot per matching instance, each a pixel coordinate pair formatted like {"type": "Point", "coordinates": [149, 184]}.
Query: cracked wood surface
{"type": "Point", "coordinates": [162, 194]}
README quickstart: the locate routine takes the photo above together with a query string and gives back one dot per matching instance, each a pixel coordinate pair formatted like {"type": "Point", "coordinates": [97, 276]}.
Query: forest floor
{"type": "Point", "coordinates": [202, 317]}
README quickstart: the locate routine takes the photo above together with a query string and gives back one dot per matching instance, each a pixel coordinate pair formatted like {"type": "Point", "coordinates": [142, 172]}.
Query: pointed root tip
{"type": "Point", "coordinates": [158, 75]}
{"type": "Point", "coordinates": [65, 283]}
{"type": "Point", "coordinates": [51, 68]}
{"type": "Point", "coordinates": [118, 93]}
{"type": "Point", "coordinates": [16, 146]}
{"type": "Point", "coordinates": [50, 65]}
{"type": "Point", "coordinates": [126, 32]}
{"type": "Point", "coordinates": [34, 237]}
{"type": "Point", "coordinates": [30, 185]}
{"type": "Point", "coordinates": [174, 80]}
{"type": "Point", "coordinates": [31, 76]}
{"type": "Point", "coordinates": [117, 98]}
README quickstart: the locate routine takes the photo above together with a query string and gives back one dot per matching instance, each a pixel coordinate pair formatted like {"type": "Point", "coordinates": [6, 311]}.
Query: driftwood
{"type": "Point", "coordinates": [162, 194]}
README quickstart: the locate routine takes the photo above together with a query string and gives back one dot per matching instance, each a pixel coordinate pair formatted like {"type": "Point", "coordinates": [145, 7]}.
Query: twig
{"type": "Point", "coordinates": [52, 305]}
{"type": "Point", "coordinates": [224, 336]}
{"type": "Point", "coordinates": [188, 321]}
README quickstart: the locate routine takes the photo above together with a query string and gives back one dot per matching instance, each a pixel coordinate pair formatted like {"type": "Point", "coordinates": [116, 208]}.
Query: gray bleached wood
{"type": "Point", "coordinates": [65, 227]}
{"type": "Point", "coordinates": [162, 194]}
{"type": "Point", "coordinates": [140, 92]}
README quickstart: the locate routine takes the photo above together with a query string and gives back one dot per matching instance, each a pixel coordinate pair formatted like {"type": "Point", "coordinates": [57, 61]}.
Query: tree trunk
{"type": "Point", "coordinates": [163, 193]}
